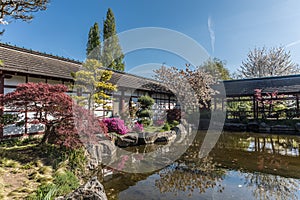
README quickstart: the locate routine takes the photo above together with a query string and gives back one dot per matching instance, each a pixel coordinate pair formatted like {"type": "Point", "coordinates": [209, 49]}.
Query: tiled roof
{"type": "Point", "coordinates": [245, 87]}
{"type": "Point", "coordinates": [16, 59]}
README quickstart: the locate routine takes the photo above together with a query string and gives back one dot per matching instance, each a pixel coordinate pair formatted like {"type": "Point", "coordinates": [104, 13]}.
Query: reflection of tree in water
{"type": "Point", "coordinates": [266, 186]}
{"type": "Point", "coordinates": [186, 177]}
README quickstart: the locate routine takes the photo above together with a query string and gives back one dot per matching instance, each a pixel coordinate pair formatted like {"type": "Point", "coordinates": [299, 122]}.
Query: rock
{"type": "Point", "coordinates": [297, 127]}
{"type": "Point", "coordinates": [93, 190]}
{"type": "Point", "coordinates": [150, 138]}
{"type": "Point", "coordinates": [166, 136]}
{"type": "Point", "coordinates": [130, 139]}
{"type": "Point", "coordinates": [103, 151]}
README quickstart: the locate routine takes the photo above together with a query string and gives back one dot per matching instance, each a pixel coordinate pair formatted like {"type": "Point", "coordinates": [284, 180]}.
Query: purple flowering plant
{"type": "Point", "coordinates": [138, 127]}
{"type": "Point", "coordinates": [115, 125]}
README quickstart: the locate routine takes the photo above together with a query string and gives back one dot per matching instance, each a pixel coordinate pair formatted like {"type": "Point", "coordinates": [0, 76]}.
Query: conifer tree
{"type": "Point", "coordinates": [92, 80]}
{"type": "Point", "coordinates": [112, 55]}
{"type": "Point", "coordinates": [93, 50]}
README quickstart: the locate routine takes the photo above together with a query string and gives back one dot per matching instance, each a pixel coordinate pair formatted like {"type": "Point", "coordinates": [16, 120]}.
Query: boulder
{"type": "Point", "coordinates": [93, 189]}
{"type": "Point", "coordinates": [100, 152]}
{"type": "Point", "coordinates": [150, 138]}
{"type": "Point", "coordinates": [130, 139]}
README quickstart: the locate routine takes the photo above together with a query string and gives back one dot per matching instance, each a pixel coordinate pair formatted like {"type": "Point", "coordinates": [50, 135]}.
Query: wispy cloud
{"type": "Point", "coordinates": [292, 44]}
{"type": "Point", "coordinates": [211, 33]}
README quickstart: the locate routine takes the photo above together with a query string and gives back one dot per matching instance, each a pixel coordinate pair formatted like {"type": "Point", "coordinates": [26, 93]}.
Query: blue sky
{"type": "Point", "coordinates": [226, 29]}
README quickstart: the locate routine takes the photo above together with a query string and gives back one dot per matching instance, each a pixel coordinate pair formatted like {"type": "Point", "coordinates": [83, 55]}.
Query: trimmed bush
{"type": "Point", "coordinates": [145, 113]}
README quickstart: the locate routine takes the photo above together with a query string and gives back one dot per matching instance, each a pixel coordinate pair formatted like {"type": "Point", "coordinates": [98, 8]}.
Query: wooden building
{"type": "Point", "coordinates": [22, 66]}
{"type": "Point", "coordinates": [286, 88]}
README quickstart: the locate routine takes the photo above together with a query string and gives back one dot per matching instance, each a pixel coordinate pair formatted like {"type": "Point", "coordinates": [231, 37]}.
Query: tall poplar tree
{"type": "Point", "coordinates": [112, 55]}
{"type": "Point", "coordinates": [93, 49]}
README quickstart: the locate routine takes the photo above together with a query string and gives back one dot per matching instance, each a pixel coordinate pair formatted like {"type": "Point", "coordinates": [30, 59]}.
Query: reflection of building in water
{"type": "Point", "coordinates": [279, 145]}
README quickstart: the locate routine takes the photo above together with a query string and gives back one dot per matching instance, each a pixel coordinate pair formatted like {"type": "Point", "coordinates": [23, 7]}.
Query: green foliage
{"type": "Point", "coordinates": [216, 68]}
{"type": "Point", "coordinates": [169, 125]}
{"type": "Point", "coordinates": [146, 102]}
{"type": "Point", "coordinates": [145, 113]}
{"type": "Point", "coordinates": [145, 121]}
{"type": "Point", "coordinates": [166, 127]}
{"type": "Point", "coordinates": [76, 160]}
{"type": "Point", "coordinates": [63, 184]}
{"type": "Point", "coordinates": [112, 56]}
{"type": "Point", "coordinates": [93, 80]}
{"type": "Point", "coordinates": [8, 118]}
{"type": "Point", "coordinates": [66, 182]}
{"type": "Point", "coordinates": [93, 50]}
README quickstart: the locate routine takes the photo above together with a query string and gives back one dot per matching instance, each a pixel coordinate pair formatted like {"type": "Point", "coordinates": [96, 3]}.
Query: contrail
{"type": "Point", "coordinates": [211, 33]}
{"type": "Point", "coordinates": [292, 44]}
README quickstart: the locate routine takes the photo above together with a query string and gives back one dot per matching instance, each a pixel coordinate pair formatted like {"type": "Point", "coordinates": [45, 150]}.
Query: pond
{"type": "Point", "coordinates": [240, 166]}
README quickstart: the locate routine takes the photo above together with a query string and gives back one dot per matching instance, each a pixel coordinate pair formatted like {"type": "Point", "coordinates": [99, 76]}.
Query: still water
{"type": "Point", "coordinates": [240, 166]}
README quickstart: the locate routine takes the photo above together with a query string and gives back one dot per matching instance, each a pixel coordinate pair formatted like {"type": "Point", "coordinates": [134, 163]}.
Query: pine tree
{"type": "Point", "coordinates": [112, 55]}
{"type": "Point", "coordinates": [93, 50]}
{"type": "Point", "coordinates": [92, 80]}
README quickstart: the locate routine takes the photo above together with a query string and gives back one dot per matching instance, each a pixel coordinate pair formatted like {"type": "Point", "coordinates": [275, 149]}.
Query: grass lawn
{"type": "Point", "coordinates": [26, 166]}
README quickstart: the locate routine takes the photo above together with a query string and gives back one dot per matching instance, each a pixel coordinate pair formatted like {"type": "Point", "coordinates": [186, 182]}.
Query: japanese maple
{"type": "Point", "coordinates": [66, 123]}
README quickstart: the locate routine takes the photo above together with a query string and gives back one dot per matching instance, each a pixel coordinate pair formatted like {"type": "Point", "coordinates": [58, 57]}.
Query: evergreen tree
{"type": "Point", "coordinates": [112, 55]}
{"type": "Point", "coordinates": [93, 50]}
{"type": "Point", "coordinates": [92, 80]}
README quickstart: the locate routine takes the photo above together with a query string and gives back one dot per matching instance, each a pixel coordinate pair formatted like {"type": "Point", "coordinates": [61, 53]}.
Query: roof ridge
{"type": "Point", "coordinates": [25, 50]}
{"type": "Point", "coordinates": [38, 53]}
{"type": "Point", "coordinates": [264, 78]}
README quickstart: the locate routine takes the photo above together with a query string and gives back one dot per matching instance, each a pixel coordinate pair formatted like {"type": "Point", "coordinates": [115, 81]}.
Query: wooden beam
{"type": "Point", "coordinates": [1, 92]}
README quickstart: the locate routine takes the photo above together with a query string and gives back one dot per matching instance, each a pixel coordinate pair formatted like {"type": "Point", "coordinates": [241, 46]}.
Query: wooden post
{"type": "Point", "coordinates": [122, 102]}
{"type": "Point", "coordinates": [1, 92]}
{"type": "Point", "coordinates": [222, 104]}
{"type": "Point", "coordinates": [255, 116]}
{"type": "Point", "coordinates": [215, 103]}
{"type": "Point", "coordinates": [297, 103]}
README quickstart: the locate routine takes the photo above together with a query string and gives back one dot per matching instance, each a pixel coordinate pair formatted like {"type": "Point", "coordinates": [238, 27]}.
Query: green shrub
{"type": "Point", "coordinates": [63, 184]}
{"type": "Point", "coordinates": [166, 127]}
{"type": "Point", "coordinates": [145, 113]}
{"type": "Point", "coordinates": [146, 102]}
{"type": "Point", "coordinates": [145, 122]}
{"type": "Point", "coordinates": [66, 182]}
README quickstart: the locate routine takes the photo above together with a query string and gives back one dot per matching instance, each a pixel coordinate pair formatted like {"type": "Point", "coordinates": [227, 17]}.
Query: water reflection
{"type": "Point", "coordinates": [180, 177]}
{"type": "Point", "coordinates": [240, 166]}
{"type": "Point", "coordinates": [267, 186]}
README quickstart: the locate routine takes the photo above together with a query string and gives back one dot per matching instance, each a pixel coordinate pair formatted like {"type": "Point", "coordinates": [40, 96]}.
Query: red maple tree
{"type": "Point", "coordinates": [66, 123]}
